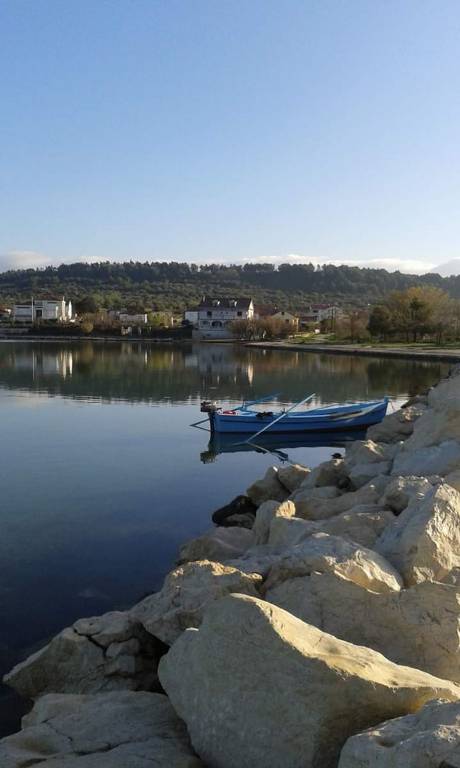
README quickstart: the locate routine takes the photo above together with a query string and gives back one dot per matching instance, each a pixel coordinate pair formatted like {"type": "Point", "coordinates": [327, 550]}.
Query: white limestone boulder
{"type": "Point", "coordinates": [112, 730]}
{"type": "Point", "coordinates": [435, 426]}
{"type": "Point", "coordinates": [268, 487]}
{"type": "Point", "coordinates": [423, 543]}
{"type": "Point", "coordinates": [259, 559]}
{"type": "Point", "coordinates": [426, 739]}
{"type": "Point", "coordinates": [446, 391]}
{"type": "Point", "coordinates": [186, 593]}
{"type": "Point", "coordinates": [304, 498]}
{"type": "Point", "coordinates": [360, 474]}
{"type": "Point", "coordinates": [313, 508]}
{"type": "Point", "coordinates": [368, 452]}
{"type": "Point", "coordinates": [401, 490]}
{"type": "Point", "coordinates": [292, 476]}
{"type": "Point", "coordinates": [419, 626]}
{"type": "Point", "coordinates": [98, 654]}
{"type": "Point", "coordinates": [453, 479]}
{"type": "Point", "coordinates": [219, 544]}
{"type": "Point", "coordinates": [324, 553]}
{"type": "Point", "coordinates": [363, 524]}
{"type": "Point", "coordinates": [257, 688]}
{"type": "Point", "coordinates": [441, 459]}
{"type": "Point", "coordinates": [396, 426]}
{"type": "Point", "coordinates": [266, 513]}
{"type": "Point", "coordinates": [330, 473]}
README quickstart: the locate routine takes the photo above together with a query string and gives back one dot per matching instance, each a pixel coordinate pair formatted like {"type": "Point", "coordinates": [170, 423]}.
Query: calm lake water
{"type": "Point", "coordinates": [102, 478]}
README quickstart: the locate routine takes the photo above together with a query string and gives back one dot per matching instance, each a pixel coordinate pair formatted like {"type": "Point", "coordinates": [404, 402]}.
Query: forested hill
{"type": "Point", "coordinates": [174, 285]}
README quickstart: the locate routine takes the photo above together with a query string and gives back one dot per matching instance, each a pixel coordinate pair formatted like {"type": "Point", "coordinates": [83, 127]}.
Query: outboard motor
{"type": "Point", "coordinates": [208, 406]}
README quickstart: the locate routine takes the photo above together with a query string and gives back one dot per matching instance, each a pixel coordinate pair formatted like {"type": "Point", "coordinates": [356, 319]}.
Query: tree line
{"type": "Point", "coordinates": [416, 314]}
{"type": "Point", "coordinates": [173, 286]}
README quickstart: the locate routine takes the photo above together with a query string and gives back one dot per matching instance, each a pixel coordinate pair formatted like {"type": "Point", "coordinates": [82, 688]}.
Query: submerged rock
{"type": "Point", "coordinates": [241, 505]}
{"type": "Point", "coordinates": [112, 730]}
{"type": "Point", "coordinates": [258, 688]}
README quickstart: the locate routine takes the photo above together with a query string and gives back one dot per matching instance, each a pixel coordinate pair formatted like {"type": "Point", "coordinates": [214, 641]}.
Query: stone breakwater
{"type": "Point", "coordinates": [318, 625]}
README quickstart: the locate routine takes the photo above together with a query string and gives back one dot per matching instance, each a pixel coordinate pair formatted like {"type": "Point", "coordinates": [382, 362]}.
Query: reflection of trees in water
{"type": "Point", "coordinates": [140, 372]}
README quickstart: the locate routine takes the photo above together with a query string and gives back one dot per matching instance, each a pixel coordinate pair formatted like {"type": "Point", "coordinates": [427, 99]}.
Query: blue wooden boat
{"type": "Point", "coordinates": [247, 420]}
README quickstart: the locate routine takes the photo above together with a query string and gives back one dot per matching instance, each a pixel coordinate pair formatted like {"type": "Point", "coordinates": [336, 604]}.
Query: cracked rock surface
{"type": "Point", "coordinates": [103, 653]}
{"type": "Point", "coordinates": [114, 730]}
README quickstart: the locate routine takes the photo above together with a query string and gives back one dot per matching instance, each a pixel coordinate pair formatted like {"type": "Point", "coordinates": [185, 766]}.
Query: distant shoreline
{"type": "Point", "coordinates": [441, 354]}
{"type": "Point", "coordinates": [133, 339]}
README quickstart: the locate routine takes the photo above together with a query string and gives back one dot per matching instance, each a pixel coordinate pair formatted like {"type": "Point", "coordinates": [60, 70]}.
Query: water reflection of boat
{"type": "Point", "coordinates": [277, 444]}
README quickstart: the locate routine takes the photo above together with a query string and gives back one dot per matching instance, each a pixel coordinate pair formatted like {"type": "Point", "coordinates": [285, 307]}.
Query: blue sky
{"type": "Point", "coordinates": [217, 130]}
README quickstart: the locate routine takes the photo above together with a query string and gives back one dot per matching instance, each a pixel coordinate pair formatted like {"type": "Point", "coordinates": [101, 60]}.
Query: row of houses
{"type": "Point", "coordinates": [61, 311]}
{"type": "Point", "coordinates": [214, 317]}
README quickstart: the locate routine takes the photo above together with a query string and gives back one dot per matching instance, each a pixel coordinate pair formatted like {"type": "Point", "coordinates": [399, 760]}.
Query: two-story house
{"type": "Point", "coordinates": [216, 315]}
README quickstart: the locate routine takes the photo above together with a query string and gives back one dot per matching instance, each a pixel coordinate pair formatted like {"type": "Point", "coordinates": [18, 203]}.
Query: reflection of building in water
{"type": "Point", "coordinates": [218, 362]}
{"type": "Point", "coordinates": [58, 363]}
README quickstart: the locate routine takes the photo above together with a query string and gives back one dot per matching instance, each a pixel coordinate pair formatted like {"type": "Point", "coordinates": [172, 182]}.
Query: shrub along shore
{"type": "Point", "coordinates": [315, 626]}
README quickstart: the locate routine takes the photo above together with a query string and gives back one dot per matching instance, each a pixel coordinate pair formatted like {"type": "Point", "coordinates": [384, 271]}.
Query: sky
{"type": "Point", "coordinates": [230, 131]}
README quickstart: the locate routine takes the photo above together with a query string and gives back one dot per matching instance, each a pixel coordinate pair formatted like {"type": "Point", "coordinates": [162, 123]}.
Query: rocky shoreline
{"type": "Point", "coordinates": [317, 625]}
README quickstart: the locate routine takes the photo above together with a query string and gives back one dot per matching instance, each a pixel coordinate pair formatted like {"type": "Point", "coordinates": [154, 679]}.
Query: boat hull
{"type": "Point", "coordinates": [343, 418]}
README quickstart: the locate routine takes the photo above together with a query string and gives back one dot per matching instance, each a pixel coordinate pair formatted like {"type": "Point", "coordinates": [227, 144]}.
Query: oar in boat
{"type": "Point", "coordinates": [266, 399]}
{"type": "Point", "coordinates": [354, 414]}
{"type": "Point", "coordinates": [285, 413]}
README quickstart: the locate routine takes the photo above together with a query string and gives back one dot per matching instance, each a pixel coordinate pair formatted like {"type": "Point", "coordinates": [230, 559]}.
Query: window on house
{"type": "Point", "coordinates": [239, 313]}
{"type": "Point", "coordinates": [209, 313]}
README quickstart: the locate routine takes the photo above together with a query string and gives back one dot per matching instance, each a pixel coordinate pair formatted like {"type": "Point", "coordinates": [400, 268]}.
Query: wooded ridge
{"type": "Point", "coordinates": [174, 285]}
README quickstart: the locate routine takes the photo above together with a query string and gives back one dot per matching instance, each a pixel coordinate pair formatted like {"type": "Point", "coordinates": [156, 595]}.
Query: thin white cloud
{"type": "Point", "coordinates": [26, 259]}
{"type": "Point", "coordinates": [409, 266]}
{"type": "Point", "coordinates": [22, 260]}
